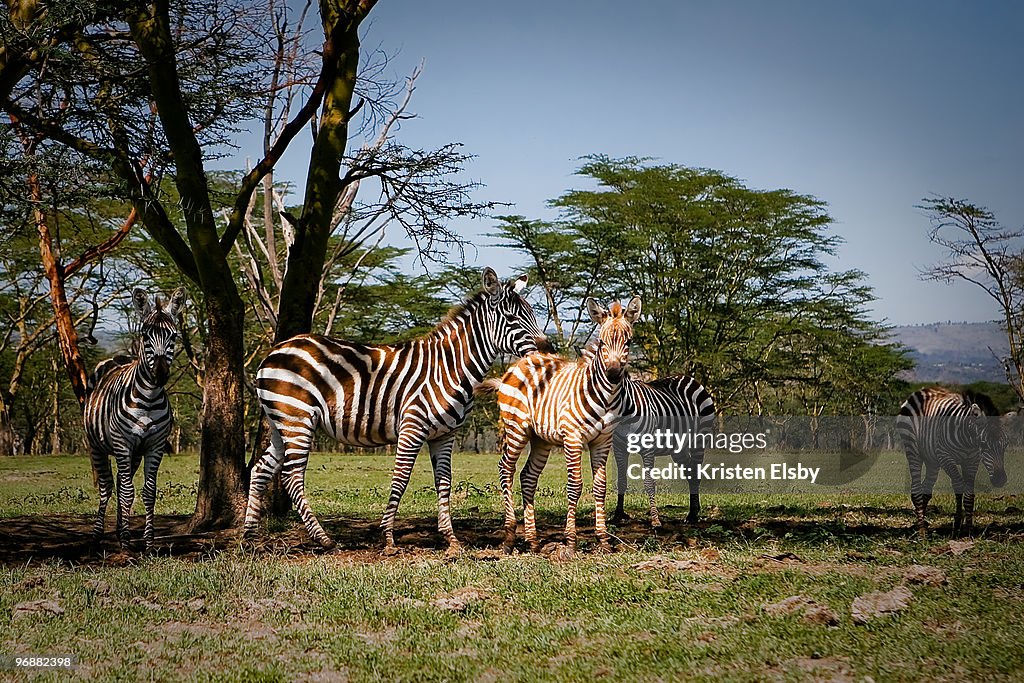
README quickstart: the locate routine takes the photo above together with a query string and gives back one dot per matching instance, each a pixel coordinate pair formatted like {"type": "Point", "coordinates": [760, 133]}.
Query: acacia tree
{"type": "Point", "coordinates": [986, 254]}
{"type": "Point", "coordinates": [734, 281]}
{"type": "Point", "coordinates": [159, 85]}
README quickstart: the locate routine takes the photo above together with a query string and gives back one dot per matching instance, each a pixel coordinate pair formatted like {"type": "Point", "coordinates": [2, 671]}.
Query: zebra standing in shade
{"type": "Point", "coordinates": [942, 429]}
{"type": "Point", "coordinates": [127, 414]}
{"type": "Point", "coordinates": [373, 395]}
{"type": "Point", "coordinates": [546, 400]}
{"type": "Point", "coordinates": [679, 403]}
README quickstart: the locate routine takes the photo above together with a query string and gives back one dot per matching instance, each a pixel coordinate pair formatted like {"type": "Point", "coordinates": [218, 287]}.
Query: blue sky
{"type": "Point", "coordinates": [869, 106]}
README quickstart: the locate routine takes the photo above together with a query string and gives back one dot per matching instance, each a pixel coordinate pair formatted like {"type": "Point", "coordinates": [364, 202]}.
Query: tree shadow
{"type": "Point", "coordinates": [67, 538]}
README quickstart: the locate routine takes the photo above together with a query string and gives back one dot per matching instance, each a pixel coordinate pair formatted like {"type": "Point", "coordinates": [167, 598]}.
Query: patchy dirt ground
{"type": "Point", "coordinates": [68, 537]}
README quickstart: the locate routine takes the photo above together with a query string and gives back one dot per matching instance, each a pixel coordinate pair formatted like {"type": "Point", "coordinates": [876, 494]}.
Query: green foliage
{"type": "Point", "coordinates": [735, 282]}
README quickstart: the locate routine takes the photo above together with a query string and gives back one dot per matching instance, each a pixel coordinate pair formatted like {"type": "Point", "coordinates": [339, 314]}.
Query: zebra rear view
{"type": "Point", "coordinates": [685, 404]}
{"type": "Point", "coordinates": [954, 432]}
{"type": "Point", "coordinates": [374, 395]}
{"type": "Point", "coordinates": [127, 415]}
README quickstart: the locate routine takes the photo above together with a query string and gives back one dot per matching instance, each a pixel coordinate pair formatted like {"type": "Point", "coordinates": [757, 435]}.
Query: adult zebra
{"type": "Point", "coordinates": [127, 414]}
{"type": "Point", "coordinates": [374, 395]}
{"type": "Point", "coordinates": [546, 400]}
{"type": "Point", "coordinates": [680, 403]}
{"type": "Point", "coordinates": [943, 429]}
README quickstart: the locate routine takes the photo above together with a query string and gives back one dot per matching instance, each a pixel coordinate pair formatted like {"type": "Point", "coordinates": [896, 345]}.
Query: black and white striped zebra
{"type": "Point", "coordinates": [954, 432]}
{"type": "Point", "coordinates": [127, 415]}
{"type": "Point", "coordinates": [374, 395]}
{"type": "Point", "coordinates": [680, 403]}
{"type": "Point", "coordinates": [546, 400]}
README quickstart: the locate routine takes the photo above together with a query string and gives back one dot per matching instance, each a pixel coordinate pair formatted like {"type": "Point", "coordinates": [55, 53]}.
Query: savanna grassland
{"type": "Point", "coordinates": [763, 588]}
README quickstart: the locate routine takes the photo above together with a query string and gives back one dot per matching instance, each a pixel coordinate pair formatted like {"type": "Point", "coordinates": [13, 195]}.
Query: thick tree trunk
{"type": "Point", "coordinates": [222, 471]}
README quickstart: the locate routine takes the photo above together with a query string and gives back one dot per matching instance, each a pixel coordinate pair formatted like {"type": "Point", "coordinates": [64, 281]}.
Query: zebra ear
{"type": "Point", "coordinates": [597, 313]}
{"type": "Point", "coordinates": [176, 301]}
{"type": "Point", "coordinates": [633, 310]}
{"type": "Point", "coordinates": [491, 281]}
{"type": "Point", "coordinates": [519, 284]}
{"type": "Point", "coordinates": [143, 305]}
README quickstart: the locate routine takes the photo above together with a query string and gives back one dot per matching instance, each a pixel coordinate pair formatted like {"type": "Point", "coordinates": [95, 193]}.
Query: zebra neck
{"type": "Point", "coordinates": [597, 378]}
{"type": "Point", "coordinates": [466, 345]}
{"type": "Point", "coordinates": [143, 384]}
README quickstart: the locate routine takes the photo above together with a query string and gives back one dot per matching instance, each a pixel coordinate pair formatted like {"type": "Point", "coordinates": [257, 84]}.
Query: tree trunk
{"type": "Point", "coordinates": [323, 187]}
{"type": "Point", "coordinates": [222, 471]}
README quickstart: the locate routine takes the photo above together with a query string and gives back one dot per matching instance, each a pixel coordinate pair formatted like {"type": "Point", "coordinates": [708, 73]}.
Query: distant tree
{"type": "Point", "coordinates": [983, 252]}
{"type": "Point", "coordinates": [734, 282]}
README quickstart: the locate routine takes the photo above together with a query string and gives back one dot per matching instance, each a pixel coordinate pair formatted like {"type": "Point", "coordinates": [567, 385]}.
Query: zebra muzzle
{"type": "Point", "coordinates": [161, 369]}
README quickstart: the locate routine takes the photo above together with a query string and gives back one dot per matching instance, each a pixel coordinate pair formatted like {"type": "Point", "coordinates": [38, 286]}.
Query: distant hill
{"type": "Point", "coordinates": [956, 353]}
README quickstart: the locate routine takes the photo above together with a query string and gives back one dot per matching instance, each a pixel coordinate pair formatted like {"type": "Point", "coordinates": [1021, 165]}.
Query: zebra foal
{"type": "Point", "coordinates": [374, 395]}
{"type": "Point", "coordinates": [546, 400]}
{"type": "Point", "coordinates": [127, 415]}
{"type": "Point", "coordinates": [679, 401]}
{"type": "Point", "coordinates": [953, 432]}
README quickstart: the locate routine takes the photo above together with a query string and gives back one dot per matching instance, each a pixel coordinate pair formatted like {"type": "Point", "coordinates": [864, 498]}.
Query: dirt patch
{"type": "Point", "coordinates": [809, 610]}
{"type": "Point", "coordinates": [878, 604]}
{"type": "Point", "coordinates": [925, 575]}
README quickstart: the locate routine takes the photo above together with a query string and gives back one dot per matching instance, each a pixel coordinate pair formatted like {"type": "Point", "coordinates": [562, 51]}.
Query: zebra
{"type": "Point", "coordinates": [546, 400]}
{"type": "Point", "coordinates": [374, 395]}
{"type": "Point", "coordinates": [127, 414]}
{"type": "Point", "coordinates": [680, 401]}
{"type": "Point", "coordinates": [943, 429]}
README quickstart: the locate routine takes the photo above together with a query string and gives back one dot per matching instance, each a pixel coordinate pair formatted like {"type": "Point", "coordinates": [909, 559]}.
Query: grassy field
{"type": "Point", "coordinates": [692, 602]}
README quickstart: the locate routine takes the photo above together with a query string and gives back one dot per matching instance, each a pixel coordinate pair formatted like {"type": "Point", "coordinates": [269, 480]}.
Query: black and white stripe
{"type": "Point", "coordinates": [546, 400]}
{"type": "Point", "coordinates": [680, 403]}
{"type": "Point", "coordinates": [127, 414]}
{"type": "Point", "coordinates": [953, 432]}
{"type": "Point", "coordinates": [373, 395]}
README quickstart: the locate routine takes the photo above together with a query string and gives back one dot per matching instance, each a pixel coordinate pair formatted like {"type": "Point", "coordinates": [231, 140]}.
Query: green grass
{"type": "Point", "coordinates": [296, 615]}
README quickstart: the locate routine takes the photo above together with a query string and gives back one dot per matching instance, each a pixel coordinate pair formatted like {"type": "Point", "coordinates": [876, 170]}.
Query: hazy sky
{"type": "Point", "coordinates": [869, 106]}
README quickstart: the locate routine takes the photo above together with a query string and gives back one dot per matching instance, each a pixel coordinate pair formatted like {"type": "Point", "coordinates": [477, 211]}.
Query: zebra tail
{"type": "Point", "coordinates": [488, 386]}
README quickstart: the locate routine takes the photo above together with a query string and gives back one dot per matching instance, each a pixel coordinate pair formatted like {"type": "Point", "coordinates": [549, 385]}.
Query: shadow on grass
{"type": "Point", "coordinates": [68, 538]}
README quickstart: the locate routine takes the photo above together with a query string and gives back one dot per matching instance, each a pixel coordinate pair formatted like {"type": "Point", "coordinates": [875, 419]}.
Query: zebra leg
{"type": "Point", "coordinates": [105, 481]}
{"type": "Point", "coordinates": [931, 474]}
{"type": "Point", "coordinates": [528, 478]}
{"type": "Point", "coordinates": [970, 472]}
{"type": "Point", "coordinates": [651, 488]}
{"type": "Point", "coordinates": [917, 497]}
{"type": "Point", "coordinates": [574, 487]}
{"type": "Point", "coordinates": [621, 468]}
{"type": "Point", "coordinates": [296, 436]}
{"type": "Point", "coordinates": [441, 461]}
{"type": "Point", "coordinates": [125, 495]}
{"type": "Point", "coordinates": [599, 468]}
{"type": "Point", "coordinates": [293, 476]}
{"type": "Point", "coordinates": [410, 440]}
{"type": "Point", "coordinates": [513, 441]}
{"type": "Point", "coordinates": [949, 466]}
{"type": "Point", "coordinates": [694, 484]}
{"type": "Point", "coordinates": [149, 471]}
{"type": "Point", "coordinates": [269, 466]}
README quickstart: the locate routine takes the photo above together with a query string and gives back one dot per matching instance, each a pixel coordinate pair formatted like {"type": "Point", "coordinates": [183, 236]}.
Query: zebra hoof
{"type": "Point", "coordinates": [391, 550]}
{"type": "Point", "coordinates": [692, 519]}
{"type": "Point", "coordinates": [454, 551]}
{"type": "Point", "coordinates": [564, 553]}
{"type": "Point", "coordinates": [655, 524]}
{"type": "Point", "coordinates": [605, 548]}
{"type": "Point", "coordinates": [620, 517]}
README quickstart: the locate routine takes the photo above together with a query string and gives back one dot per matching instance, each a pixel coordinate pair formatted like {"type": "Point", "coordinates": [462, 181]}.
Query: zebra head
{"type": "Point", "coordinates": [515, 330]}
{"type": "Point", "coordinates": [992, 439]}
{"type": "Point", "coordinates": [158, 332]}
{"type": "Point", "coordinates": [614, 334]}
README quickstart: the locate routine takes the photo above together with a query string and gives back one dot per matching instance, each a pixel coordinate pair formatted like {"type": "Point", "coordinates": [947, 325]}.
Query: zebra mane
{"type": "Point", "coordinates": [982, 401]}
{"type": "Point", "coordinates": [456, 311]}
